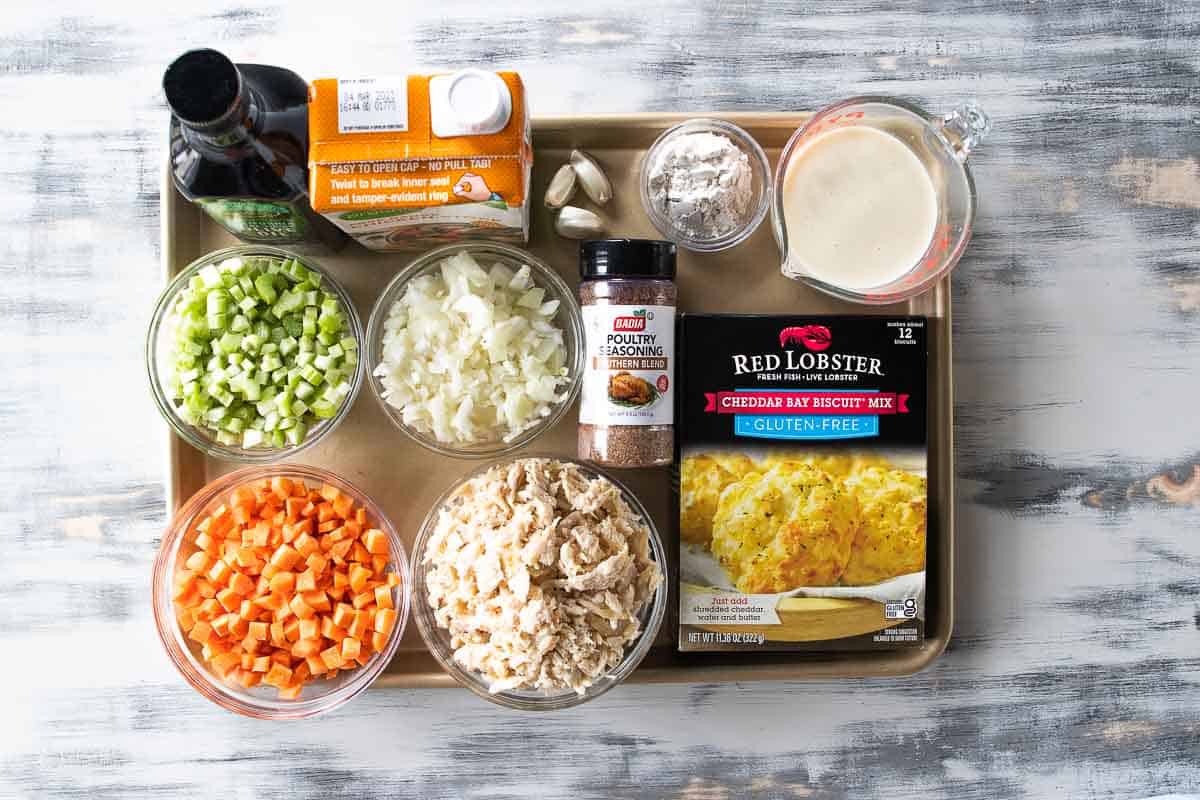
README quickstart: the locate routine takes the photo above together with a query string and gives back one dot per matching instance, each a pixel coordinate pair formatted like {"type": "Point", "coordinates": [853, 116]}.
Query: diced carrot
{"type": "Point", "coordinates": [241, 584]}
{"type": "Point", "coordinates": [376, 542]}
{"type": "Point", "coordinates": [385, 620]}
{"type": "Point", "coordinates": [281, 487]}
{"type": "Point", "coordinates": [306, 545]}
{"type": "Point", "coordinates": [343, 615]}
{"type": "Point", "coordinates": [229, 599]}
{"type": "Point", "coordinates": [242, 496]}
{"type": "Point", "coordinates": [306, 581]}
{"type": "Point", "coordinates": [332, 657]}
{"type": "Point", "coordinates": [359, 575]}
{"type": "Point", "coordinates": [219, 573]}
{"type": "Point", "coordinates": [310, 628]}
{"type": "Point", "coordinates": [331, 631]}
{"type": "Point", "coordinates": [283, 582]}
{"type": "Point", "coordinates": [361, 625]}
{"type": "Point", "coordinates": [292, 691]}
{"type": "Point", "coordinates": [238, 627]}
{"type": "Point", "coordinates": [198, 561]}
{"type": "Point", "coordinates": [338, 551]}
{"type": "Point", "coordinates": [317, 563]}
{"type": "Point", "coordinates": [300, 608]}
{"type": "Point", "coordinates": [318, 599]}
{"type": "Point", "coordinates": [220, 625]}
{"type": "Point", "coordinates": [277, 574]}
{"type": "Point", "coordinates": [209, 609]}
{"type": "Point", "coordinates": [248, 611]}
{"type": "Point", "coordinates": [285, 557]}
{"type": "Point", "coordinates": [359, 553]}
{"type": "Point", "coordinates": [350, 647]}
{"type": "Point", "coordinates": [278, 676]}
{"type": "Point", "coordinates": [303, 648]}
{"type": "Point", "coordinates": [185, 618]}
{"type": "Point", "coordinates": [261, 535]}
{"type": "Point", "coordinates": [225, 662]}
{"type": "Point", "coordinates": [343, 505]}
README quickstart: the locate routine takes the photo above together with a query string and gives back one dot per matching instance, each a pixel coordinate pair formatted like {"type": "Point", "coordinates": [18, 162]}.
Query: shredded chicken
{"type": "Point", "coordinates": [540, 574]}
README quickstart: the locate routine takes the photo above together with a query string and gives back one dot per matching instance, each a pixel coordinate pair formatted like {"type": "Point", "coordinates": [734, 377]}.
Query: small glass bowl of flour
{"type": "Point", "coordinates": [706, 184]}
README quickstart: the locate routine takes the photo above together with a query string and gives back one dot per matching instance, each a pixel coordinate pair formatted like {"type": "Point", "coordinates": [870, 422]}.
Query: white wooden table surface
{"type": "Point", "coordinates": [1075, 666]}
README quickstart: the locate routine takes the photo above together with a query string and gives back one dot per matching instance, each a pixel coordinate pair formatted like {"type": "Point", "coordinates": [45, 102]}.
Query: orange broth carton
{"type": "Point", "coordinates": [404, 162]}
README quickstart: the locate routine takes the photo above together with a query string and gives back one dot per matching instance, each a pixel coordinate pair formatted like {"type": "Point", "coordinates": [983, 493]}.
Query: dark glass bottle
{"type": "Point", "coordinates": [239, 149]}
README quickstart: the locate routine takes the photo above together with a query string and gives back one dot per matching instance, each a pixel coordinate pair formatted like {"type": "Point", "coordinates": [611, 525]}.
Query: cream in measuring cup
{"type": "Point", "coordinates": [872, 200]}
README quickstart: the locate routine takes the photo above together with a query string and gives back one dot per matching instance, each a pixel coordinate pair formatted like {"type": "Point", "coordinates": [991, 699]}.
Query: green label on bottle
{"type": "Point", "coordinates": [267, 221]}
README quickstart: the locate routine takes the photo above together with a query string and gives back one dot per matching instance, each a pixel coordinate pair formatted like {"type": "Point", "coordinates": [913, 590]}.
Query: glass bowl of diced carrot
{"type": "Point", "coordinates": [281, 591]}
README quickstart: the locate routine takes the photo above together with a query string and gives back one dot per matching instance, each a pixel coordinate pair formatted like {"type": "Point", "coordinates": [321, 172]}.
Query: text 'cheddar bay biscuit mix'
{"type": "Point", "coordinates": [414, 160]}
{"type": "Point", "coordinates": [802, 482]}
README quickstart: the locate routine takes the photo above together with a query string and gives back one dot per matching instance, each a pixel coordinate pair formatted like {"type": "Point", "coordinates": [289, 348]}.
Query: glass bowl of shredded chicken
{"type": "Point", "coordinates": [539, 582]}
{"type": "Point", "coordinates": [475, 349]}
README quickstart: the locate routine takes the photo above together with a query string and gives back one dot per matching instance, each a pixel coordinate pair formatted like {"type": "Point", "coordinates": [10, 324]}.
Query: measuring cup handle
{"type": "Point", "coordinates": [966, 126]}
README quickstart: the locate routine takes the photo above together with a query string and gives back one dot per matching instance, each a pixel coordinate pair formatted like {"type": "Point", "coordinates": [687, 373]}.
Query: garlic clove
{"type": "Point", "coordinates": [593, 180]}
{"type": "Point", "coordinates": [578, 223]}
{"type": "Point", "coordinates": [561, 188]}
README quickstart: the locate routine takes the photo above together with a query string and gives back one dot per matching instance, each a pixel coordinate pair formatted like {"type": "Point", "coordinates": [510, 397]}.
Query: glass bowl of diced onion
{"type": "Point", "coordinates": [193, 562]}
{"type": "Point", "coordinates": [253, 353]}
{"type": "Point", "coordinates": [496, 359]}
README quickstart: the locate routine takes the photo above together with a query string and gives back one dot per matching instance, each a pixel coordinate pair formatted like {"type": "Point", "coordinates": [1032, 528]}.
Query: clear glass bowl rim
{"type": "Point", "coordinates": [175, 644]}
{"type": "Point", "coordinates": [203, 441]}
{"type": "Point", "coordinates": [545, 276]}
{"type": "Point", "coordinates": [524, 701]}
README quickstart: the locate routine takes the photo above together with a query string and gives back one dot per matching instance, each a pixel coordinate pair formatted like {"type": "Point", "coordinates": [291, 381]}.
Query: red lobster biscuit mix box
{"type": "Point", "coordinates": [802, 482]}
{"type": "Point", "coordinates": [417, 160]}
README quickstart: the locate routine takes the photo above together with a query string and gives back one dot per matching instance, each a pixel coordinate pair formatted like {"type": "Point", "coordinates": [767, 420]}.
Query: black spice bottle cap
{"type": "Point", "coordinates": [627, 258]}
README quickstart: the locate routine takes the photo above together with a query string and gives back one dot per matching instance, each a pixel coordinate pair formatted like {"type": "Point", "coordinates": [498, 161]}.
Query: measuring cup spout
{"type": "Point", "coordinates": [965, 127]}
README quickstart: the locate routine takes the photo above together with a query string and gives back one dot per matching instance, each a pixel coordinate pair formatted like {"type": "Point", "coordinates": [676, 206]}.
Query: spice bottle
{"type": "Point", "coordinates": [627, 414]}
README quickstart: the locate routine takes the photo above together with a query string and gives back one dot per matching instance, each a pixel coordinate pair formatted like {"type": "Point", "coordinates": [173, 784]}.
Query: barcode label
{"type": "Point", "coordinates": [372, 104]}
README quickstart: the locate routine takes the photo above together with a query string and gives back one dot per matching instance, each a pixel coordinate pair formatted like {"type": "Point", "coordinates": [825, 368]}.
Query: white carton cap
{"type": "Point", "coordinates": [470, 102]}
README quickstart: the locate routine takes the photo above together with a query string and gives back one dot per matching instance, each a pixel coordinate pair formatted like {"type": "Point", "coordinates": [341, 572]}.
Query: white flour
{"type": "Point", "coordinates": [701, 182]}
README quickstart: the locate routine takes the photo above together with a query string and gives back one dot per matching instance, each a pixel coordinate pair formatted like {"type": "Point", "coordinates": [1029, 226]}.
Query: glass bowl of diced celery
{"type": "Point", "coordinates": [253, 353]}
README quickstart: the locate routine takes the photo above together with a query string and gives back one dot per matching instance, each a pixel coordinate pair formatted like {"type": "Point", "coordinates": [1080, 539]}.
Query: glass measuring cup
{"type": "Point", "coordinates": [941, 144]}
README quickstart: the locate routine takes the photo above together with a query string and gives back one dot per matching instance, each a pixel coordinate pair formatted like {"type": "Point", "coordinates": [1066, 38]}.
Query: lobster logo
{"type": "Point", "coordinates": [813, 337]}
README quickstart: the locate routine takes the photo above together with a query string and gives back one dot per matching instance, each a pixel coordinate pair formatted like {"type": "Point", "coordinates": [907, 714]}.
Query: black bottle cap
{"type": "Point", "coordinates": [626, 258]}
{"type": "Point", "coordinates": [202, 86]}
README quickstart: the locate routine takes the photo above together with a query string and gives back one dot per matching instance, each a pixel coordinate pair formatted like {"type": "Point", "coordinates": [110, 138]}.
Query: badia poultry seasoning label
{"type": "Point", "coordinates": [802, 483]}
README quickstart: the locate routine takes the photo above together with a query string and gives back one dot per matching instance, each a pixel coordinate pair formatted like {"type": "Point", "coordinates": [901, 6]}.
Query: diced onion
{"type": "Point", "coordinates": [472, 355]}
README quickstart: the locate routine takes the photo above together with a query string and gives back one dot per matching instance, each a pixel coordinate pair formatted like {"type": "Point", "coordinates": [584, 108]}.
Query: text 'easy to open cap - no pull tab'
{"type": "Point", "coordinates": [470, 102]}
